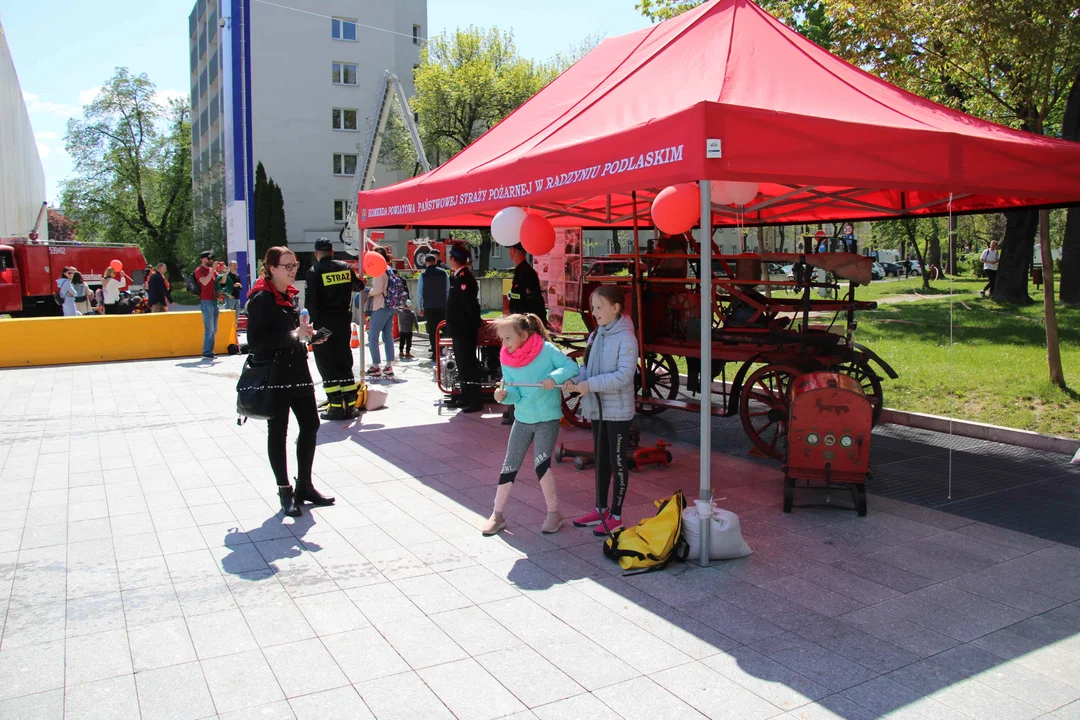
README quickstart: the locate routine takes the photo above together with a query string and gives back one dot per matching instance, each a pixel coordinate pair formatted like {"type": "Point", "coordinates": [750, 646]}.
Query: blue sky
{"type": "Point", "coordinates": [64, 49]}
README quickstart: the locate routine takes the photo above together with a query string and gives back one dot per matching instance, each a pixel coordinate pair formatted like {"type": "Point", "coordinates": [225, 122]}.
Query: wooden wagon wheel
{"type": "Point", "coordinates": [662, 381]}
{"type": "Point", "coordinates": [571, 402]}
{"type": "Point", "coordinates": [860, 371]}
{"type": "Point", "coordinates": [766, 420]}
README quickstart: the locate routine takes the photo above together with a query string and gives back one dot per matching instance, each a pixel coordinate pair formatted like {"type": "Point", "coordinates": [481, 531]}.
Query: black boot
{"type": "Point", "coordinates": [289, 503]}
{"type": "Point", "coordinates": [306, 492]}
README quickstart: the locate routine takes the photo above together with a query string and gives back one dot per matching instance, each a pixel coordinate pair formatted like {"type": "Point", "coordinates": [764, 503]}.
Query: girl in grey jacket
{"type": "Point", "coordinates": [606, 383]}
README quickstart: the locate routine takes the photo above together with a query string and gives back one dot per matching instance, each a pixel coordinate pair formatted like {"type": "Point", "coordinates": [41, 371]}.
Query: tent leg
{"type": "Point", "coordinates": [706, 288]}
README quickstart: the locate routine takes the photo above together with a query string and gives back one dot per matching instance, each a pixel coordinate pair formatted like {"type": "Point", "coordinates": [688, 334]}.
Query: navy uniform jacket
{"type": "Point", "coordinates": [463, 305]}
{"type": "Point", "coordinates": [330, 285]}
{"type": "Point", "coordinates": [525, 293]}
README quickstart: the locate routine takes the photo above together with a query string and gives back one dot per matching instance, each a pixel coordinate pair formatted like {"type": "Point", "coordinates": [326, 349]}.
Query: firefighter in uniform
{"type": "Point", "coordinates": [328, 299]}
{"type": "Point", "coordinates": [463, 324]}
{"type": "Point", "coordinates": [525, 297]}
{"type": "Point", "coordinates": [525, 294]}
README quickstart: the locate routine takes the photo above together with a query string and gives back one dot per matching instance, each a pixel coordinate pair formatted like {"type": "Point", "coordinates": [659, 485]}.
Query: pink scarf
{"type": "Point", "coordinates": [524, 354]}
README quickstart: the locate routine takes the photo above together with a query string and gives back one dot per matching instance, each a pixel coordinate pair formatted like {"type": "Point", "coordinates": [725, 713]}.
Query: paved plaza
{"type": "Point", "coordinates": [145, 572]}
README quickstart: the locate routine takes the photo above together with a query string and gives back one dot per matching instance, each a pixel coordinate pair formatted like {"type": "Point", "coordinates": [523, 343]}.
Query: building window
{"type": "Point", "coordinates": [415, 34]}
{"type": "Point", "coordinates": [414, 69]}
{"type": "Point", "coordinates": [343, 119]}
{"type": "Point", "coordinates": [342, 29]}
{"type": "Point", "coordinates": [344, 164]}
{"type": "Point", "coordinates": [194, 58]}
{"type": "Point", "coordinates": [339, 210]}
{"type": "Point", "coordinates": [496, 251]}
{"type": "Point", "coordinates": [344, 73]}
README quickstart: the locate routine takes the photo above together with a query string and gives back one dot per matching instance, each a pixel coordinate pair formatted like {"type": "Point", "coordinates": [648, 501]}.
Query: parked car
{"type": "Point", "coordinates": [605, 267]}
{"type": "Point", "coordinates": [892, 268]}
{"type": "Point", "coordinates": [877, 272]}
{"type": "Point", "coordinates": [916, 268]}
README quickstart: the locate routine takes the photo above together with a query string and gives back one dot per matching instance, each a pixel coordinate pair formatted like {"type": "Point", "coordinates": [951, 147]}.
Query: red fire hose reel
{"type": "Point", "coordinates": [829, 425]}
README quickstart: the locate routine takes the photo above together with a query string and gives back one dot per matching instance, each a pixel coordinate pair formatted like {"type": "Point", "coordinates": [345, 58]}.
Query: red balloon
{"type": "Point", "coordinates": [117, 266]}
{"type": "Point", "coordinates": [537, 235]}
{"type": "Point", "coordinates": [677, 208]}
{"type": "Point", "coordinates": [374, 264]}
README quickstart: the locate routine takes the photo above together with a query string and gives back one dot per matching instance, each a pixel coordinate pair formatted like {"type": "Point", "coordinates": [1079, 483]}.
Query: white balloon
{"type": "Point", "coordinates": [728, 192]}
{"type": "Point", "coordinates": [506, 226]}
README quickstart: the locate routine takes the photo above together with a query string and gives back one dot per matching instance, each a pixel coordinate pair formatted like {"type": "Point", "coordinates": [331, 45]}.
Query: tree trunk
{"type": "Point", "coordinates": [1070, 247]}
{"type": "Point", "coordinates": [615, 247]}
{"type": "Point", "coordinates": [933, 244]}
{"type": "Point", "coordinates": [953, 226]}
{"type": "Point", "coordinates": [1016, 252]}
{"type": "Point", "coordinates": [485, 253]}
{"type": "Point", "coordinates": [1053, 350]}
{"type": "Point", "coordinates": [911, 226]}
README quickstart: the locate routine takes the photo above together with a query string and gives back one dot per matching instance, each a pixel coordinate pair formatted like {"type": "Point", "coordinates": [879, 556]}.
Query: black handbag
{"type": "Point", "coordinates": [255, 390]}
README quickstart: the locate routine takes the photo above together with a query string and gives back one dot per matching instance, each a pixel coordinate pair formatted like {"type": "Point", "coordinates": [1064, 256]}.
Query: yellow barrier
{"type": "Point", "coordinates": [107, 338]}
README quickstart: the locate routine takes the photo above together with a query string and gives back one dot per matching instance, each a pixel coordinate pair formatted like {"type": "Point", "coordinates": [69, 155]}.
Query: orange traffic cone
{"type": "Point", "coordinates": [354, 342]}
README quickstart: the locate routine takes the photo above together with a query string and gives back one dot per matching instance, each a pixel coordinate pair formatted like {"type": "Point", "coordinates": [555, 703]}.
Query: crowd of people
{"type": "Point", "coordinates": [535, 372]}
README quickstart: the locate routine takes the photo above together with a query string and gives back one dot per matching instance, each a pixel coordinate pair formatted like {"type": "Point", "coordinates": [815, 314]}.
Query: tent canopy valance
{"type": "Point", "coordinates": [824, 139]}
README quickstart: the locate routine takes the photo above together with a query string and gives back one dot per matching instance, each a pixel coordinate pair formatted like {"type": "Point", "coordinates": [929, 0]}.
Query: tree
{"type": "Point", "coordinates": [467, 81]}
{"type": "Point", "coordinates": [1070, 245]}
{"type": "Point", "coordinates": [132, 168]}
{"type": "Point", "coordinates": [61, 228]}
{"type": "Point", "coordinates": [278, 235]}
{"type": "Point", "coordinates": [269, 213]}
{"type": "Point", "coordinates": [1009, 61]}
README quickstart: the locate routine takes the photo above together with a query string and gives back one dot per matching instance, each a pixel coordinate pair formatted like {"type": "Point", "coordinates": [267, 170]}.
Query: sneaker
{"type": "Point", "coordinates": [388, 371]}
{"type": "Point", "coordinates": [588, 519]}
{"type": "Point", "coordinates": [610, 524]}
{"type": "Point", "coordinates": [374, 372]}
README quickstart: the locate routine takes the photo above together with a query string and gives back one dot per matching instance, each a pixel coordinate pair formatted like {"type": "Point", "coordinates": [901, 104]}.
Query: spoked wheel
{"type": "Point", "coordinates": [763, 407]}
{"type": "Point", "coordinates": [861, 372]}
{"type": "Point", "coordinates": [662, 381]}
{"type": "Point", "coordinates": [571, 402]}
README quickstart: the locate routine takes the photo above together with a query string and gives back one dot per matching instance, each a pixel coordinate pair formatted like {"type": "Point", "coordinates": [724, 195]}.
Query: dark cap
{"type": "Point", "coordinates": [206, 254]}
{"type": "Point", "coordinates": [519, 247]}
{"type": "Point", "coordinates": [460, 253]}
{"type": "Point", "coordinates": [431, 259]}
{"type": "Point", "coordinates": [324, 245]}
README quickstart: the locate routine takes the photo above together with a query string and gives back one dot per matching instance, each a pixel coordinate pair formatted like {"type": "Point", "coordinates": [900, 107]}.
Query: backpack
{"type": "Point", "coordinates": [192, 284]}
{"type": "Point", "coordinates": [653, 542]}
{"type": "Point", "coordinates": [395, 291]}
{"type": "Point", "coordinates": [58, 296]}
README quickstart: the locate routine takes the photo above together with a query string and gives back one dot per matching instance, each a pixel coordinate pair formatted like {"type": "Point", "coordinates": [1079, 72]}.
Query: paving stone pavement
{"type": "Point", "coordinates": [145, 573]}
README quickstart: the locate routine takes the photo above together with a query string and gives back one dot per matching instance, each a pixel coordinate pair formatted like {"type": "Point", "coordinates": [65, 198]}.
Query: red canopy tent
{"type": "Point", "coordinates": [825, 140]}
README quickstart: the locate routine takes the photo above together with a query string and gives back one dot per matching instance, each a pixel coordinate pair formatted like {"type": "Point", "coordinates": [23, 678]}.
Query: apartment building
{"type": "Point", "coordinates": [291, 85]}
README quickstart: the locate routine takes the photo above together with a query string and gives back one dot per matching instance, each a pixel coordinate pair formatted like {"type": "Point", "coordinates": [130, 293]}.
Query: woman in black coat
{"type": "Point", "coordinates": [275, 334]}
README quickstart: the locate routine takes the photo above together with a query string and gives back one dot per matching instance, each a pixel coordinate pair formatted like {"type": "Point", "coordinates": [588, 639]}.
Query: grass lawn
{"type": "Point", "coordinates": [995, 371]}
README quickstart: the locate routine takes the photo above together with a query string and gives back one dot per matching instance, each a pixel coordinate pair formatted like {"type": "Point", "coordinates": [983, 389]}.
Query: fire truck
{"type": "Point", "coordinates": [30, 268]}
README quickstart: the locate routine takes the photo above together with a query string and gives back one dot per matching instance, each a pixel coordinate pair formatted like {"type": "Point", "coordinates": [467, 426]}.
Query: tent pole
{"type": "Point", "coordinates": [639, 280]}
{"type": "Point", "coordinates": [706, 288]}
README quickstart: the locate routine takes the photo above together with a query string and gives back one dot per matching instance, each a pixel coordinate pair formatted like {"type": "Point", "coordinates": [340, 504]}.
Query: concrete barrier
{"type": "Point", "coordinates": [108, 338]}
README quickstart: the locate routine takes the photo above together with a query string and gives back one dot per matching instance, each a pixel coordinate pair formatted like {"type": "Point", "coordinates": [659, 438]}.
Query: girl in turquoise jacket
{"type": "Point", "coordinates": [528, 357]}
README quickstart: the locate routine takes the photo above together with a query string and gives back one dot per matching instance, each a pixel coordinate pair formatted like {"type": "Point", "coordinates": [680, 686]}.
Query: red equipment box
{"type": "Point", "coordinates": [829, 427]}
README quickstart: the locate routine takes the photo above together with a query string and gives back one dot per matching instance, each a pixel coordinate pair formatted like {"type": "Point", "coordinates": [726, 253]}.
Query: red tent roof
{"type": "Point", "coordinates": [824, 139]}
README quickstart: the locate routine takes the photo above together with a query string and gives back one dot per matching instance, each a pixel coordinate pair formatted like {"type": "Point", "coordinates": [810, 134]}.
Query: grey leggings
{"type": "Point", "coordinates": [541, 435]}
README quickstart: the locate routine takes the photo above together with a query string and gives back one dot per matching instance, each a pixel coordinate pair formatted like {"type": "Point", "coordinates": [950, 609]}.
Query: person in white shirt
{"type": "Point", "coordinates": [110, 291]}
{"type": "Point", "coordinates": [990, 257]}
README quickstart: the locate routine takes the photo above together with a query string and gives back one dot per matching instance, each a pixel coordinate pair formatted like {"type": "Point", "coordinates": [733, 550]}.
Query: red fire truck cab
{"type": "Point", "coordinates": [29, 271]}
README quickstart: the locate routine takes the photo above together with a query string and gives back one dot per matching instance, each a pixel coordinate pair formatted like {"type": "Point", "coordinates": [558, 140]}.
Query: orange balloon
{"type": "Point", "coordinates": [117, 266]}
{"type": "Point", "coordinates": [677, 208]}
{"type": "Point", "coordinates": [374, 264]}
{"type": "Point", "coordinates": [537, 234]}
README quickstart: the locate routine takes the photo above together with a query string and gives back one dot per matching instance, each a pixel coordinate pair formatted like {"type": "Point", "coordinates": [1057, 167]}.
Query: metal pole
{"type": "Point", "coordinates": [706, 287]}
